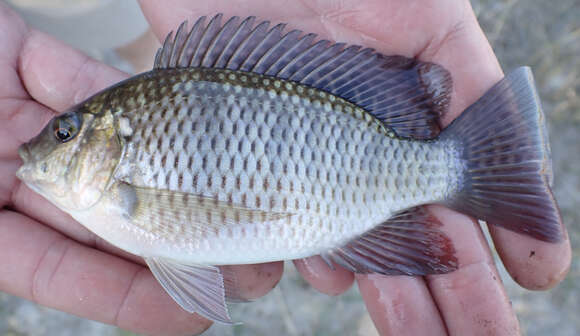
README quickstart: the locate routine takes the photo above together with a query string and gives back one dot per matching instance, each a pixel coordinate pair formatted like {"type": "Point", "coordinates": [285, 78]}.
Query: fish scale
{"type": "Point", "coordinates": [275, 149]}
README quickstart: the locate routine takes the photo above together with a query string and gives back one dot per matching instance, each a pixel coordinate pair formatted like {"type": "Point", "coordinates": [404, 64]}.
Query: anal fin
{"type": "Point", "coordinates": [196, 288]}
{"type": "Point", "coordinates": [409, 243]}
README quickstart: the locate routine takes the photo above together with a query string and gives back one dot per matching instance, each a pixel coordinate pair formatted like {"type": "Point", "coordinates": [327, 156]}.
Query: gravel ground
{"type": "Point", "coordinates": [542, 34]}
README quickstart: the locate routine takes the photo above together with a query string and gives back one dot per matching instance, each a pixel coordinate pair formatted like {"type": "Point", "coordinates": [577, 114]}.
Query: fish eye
{"type": "Point", "coordinates": [66, 127]}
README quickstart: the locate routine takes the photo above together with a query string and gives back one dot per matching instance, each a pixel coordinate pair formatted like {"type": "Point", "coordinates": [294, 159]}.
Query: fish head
{"type": "Point", "coordinates": [71, 162]}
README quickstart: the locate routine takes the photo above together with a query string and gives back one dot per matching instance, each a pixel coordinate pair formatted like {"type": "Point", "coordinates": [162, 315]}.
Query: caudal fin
{"type": "Point", "coordinates": [503, 144]}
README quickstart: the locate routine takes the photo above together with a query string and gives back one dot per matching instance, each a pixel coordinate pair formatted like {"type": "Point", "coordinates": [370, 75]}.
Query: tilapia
{"type": "Point", "coordinates": [249, 144]}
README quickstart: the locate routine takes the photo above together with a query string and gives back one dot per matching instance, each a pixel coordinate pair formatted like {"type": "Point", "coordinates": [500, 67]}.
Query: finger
{"type": "Point", "coordinates": [164, 19]}
{"type": "Point", "coordinates": [26, 201]}
{"type": "Point", "coordinates": [21, 118]}
{"type": "Point", "coordinates": [472, 299]}
{"type": "Point", "coordinates": [400, 305]}
{"type": "Point", "coordinates": [24, 119]}
{"type": "Point", "coordinates": [350, 21]}
{"type": "Point", "coordinates": [59, 76]}
{"type": "Point", "coordinates": [11, 35]}
{"type": "Point", "coordinates": [532, 263]}
{"type": "Point", "coordinates": [8, 180]}
{"type": "Point", "coordinates": [36, 207]}
{"type": "Point", "coordinates": [467, 54]}
{"type": "Point", "coordinates": [44, 266]}
{"type": "Point", "coordinates": [256, 280]}
{"type": "Point", "coordinates": [320, 276]}
{"type": "Point", "coordinates": [148, 309]}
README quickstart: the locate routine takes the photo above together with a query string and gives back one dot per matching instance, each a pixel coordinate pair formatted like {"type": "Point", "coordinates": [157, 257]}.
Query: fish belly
{"type": "Point", "coordinates": [333, 169]}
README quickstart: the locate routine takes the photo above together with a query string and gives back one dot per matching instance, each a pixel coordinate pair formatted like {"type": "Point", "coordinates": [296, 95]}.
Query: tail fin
{"type": "Point", "coordinates": [503, 144]}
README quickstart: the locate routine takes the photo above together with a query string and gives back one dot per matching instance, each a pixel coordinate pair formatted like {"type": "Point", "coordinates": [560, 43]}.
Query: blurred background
{"type": "Point", "coordinates": [542, 34]}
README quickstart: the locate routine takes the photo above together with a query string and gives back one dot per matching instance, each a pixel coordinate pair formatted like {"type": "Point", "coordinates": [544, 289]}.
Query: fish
{"type": "Point", "coordinates": [248, 143]}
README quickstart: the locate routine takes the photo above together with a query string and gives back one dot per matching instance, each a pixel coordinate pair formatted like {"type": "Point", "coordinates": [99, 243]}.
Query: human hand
{"type": "Point", "coordinates": [45, 255]}
{"type": "Point", "coordinates": [471, 300]}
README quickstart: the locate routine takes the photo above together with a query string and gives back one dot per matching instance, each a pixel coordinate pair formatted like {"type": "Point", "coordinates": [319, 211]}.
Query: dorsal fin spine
{"type": "Point", "coordinates": [157, 61]}
{"type": "Point", "coordinates": [223, 58]}
{"type": "Point", "coordinates": [251, 61]}
{"type": "Point", "coordinates": [234, 62]}
{"type": "Point", "coordinates": [278, 49]}
{"type": "Point", "coordinates": [207, 61]}
{"type": "Point", "coordinates": [166, 48]}
{"type": "Point", "coordinates": [205, 40]}
{"type": "Point", "coordinates": [192, 38]}
{"type": "Point", "coordinates": [261, 65]}
{"type": "Point", "coordinates": [178, 61]}
{"type": "Point", "coordinates": [177, 45]}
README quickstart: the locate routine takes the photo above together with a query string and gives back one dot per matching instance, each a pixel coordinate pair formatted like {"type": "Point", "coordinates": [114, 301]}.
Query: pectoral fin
{"type": "Point", "coordinates": [170, 212]}
{"type": "Point", "coordinates": [197, 289]}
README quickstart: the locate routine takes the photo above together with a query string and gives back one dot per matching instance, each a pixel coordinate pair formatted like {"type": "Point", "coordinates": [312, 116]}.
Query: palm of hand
{"type": "Point", "coordinates": [41, 75]}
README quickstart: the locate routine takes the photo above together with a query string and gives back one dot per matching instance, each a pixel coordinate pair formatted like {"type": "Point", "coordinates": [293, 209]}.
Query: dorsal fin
{"type": "Point", "coordinates": [408, 95]}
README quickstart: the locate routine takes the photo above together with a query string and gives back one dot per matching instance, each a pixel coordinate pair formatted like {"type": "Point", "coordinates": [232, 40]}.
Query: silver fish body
{"type": "Point", "coordinates": [333, 170]}
{"type": "Point", "coordinates": [244, 145]}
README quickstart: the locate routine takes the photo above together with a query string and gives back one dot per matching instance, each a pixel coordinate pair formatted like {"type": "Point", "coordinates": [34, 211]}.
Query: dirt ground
{"type": "Point", "coordinates": [542, 34]}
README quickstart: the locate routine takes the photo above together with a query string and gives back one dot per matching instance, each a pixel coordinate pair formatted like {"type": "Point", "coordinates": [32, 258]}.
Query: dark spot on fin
{"type": "Point", "coordinates": [408, 95]}
{"type": "Point", "coordinates": [503, 143]}
{"type": "Point", "coordinates": [409, 243]}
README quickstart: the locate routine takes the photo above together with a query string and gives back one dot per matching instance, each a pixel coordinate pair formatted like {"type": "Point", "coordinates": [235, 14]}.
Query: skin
{"type": "Point", "coordinates": [49, 258]}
